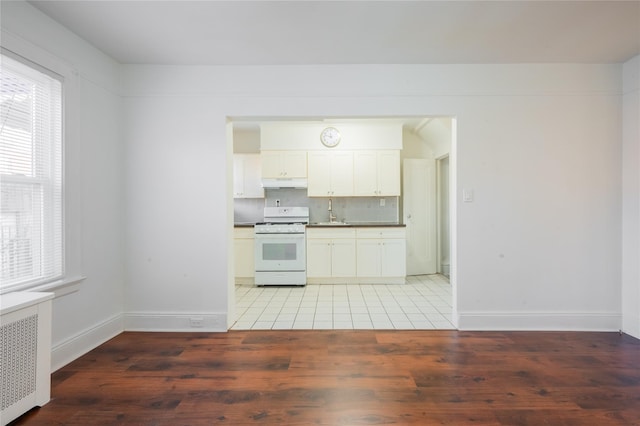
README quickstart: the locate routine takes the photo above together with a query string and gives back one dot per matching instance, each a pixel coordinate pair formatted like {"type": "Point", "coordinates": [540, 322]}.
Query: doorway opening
{"type": "Point", "coordinates": [344, 305]}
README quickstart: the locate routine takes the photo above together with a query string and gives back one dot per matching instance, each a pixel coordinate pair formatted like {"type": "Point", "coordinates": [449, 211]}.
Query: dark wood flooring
{"type": "Point", "coordinates": [350, 378]}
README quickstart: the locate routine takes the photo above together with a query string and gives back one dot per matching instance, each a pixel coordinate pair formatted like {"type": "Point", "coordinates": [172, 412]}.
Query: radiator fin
{"type": "Point", "coordinates": [18, 360]}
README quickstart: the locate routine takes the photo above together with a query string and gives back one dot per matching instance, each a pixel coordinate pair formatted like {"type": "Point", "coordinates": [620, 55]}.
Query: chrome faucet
{"type": "Point", "coordinates": [332, 217]}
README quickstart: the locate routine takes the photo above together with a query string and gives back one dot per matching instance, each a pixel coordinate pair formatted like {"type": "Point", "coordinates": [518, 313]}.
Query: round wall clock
{"type": "Point", "coordinates": [330, 137]}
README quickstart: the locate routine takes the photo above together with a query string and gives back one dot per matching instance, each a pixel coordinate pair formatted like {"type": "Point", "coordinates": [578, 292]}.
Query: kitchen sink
{"type": "Point", "coordinates": [330, 224]}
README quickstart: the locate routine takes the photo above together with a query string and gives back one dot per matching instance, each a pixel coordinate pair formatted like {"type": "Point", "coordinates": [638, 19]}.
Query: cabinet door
{"type": "Point", "coordinates": [246, 176]}
{"type": "Point", "coordinates": [271, 164]}
{"type": "Point", "coordinates": [342, 174]}
{"type": "Point", "coordinates": [294, 164]}
{"type": "Point", "coordinates": [388, 170]}
{"type": "Point", "coordinates": [365, 172]}
{"type": "Point", "coordinates": [243, 257]}
{"type": "Point", "coordinates": [238, 176]}
{"type": "Point", "coordinates": [284, 164]}
{"type": "Point", "coordinates": [368, 257]}
{"type": "Point", "coordinates": [393, 258]}
{"type": "Point", "coordinates": [319, 171]}
{"type": "Point", "coordinates": [318, 257]}
{"type": "Point", "coordinates": [343, 258]}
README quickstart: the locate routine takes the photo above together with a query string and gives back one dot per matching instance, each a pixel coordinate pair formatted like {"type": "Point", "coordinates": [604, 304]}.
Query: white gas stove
{"type": "Point", "coordinates": [280, 246]}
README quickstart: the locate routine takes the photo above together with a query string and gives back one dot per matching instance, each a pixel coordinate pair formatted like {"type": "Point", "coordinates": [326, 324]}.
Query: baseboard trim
{"type": "Point", "coordinates": [78, 345]}
{"type": "Point", "coordinates": [539, 321]}
{"type": "Point", "coordinates": [356, 280]}
{"type": "Point", "coordinates": [631, 325]}
{"type": "Point", "coordinates": [177, 321]}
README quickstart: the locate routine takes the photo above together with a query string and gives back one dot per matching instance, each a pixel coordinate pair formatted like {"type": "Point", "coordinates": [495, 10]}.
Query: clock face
{"type": "Point", "coordinates": [330, 137]}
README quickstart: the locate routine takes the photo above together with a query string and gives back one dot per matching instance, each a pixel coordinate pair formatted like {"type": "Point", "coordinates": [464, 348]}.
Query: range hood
{"type": "Point", "coordinates": [284, 183]}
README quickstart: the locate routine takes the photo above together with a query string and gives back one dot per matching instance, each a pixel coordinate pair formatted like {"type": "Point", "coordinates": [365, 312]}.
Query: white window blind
{"type": "Point", "coordinates": [32, 250]}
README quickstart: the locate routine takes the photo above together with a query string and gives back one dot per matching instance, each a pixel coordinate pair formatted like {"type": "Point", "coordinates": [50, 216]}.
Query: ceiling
{"type": "Point", "coordinates": [354, 32]}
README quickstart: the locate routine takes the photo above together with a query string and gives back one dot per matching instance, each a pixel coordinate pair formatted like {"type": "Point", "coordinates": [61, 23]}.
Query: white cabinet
{"type": "Point", "coordinates": [331, 253]}
{"type": "Point", "coordinates": [376, 173]}
{"type": "Point", "coordinates": [284, 164]}
{"type": "Point", "coordinates": [246, 176]}
{"type": "Point", "coordinates": [381, 252]}
{"type": "Point", "coordinates": [356, 255]}
{"type": "Point", "coordinates": [243, 250]}
{"type": "Point", "coordinates": [330, 174]}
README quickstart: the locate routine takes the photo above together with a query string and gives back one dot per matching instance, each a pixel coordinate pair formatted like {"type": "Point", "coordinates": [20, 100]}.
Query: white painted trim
{"type": "Point", "coordinates": [178, 321]}
{"type": "Point", "coordinates": [539, 321]}
{"type": "Point", "coordinates": [62, 287]}
{"type": "Point", "coordinates": [18, 300]}
{"type": "Point", "coordinates": [88, 339]}
{"type": "Point", "coordinates": [356, 280]}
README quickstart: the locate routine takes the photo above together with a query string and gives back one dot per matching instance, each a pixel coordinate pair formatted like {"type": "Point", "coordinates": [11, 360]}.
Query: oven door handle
{"type": "Point", "coordinates": [292, 237]}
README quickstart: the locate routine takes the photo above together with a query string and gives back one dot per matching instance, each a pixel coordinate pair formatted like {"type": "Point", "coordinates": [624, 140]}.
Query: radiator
{"type": "Point", "coordinates": [25, 353]}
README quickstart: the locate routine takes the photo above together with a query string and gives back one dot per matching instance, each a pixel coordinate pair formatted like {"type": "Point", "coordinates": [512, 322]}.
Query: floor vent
{"type": "Point", "coordinates": [25, 355]}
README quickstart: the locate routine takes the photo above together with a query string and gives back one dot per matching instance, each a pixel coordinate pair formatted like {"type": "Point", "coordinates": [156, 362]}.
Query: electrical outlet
{"type": "Point", "coordinates": [196, 322]}
{"type": "Point", "coordinates": [382, 202]}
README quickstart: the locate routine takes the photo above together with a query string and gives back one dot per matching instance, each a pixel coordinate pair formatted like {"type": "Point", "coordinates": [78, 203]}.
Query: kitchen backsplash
{"type": "Point", "coordinates": [350, 209]}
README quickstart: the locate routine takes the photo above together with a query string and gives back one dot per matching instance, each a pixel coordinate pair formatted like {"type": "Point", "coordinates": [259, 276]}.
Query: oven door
{"type": "Point", "coordinates": [280, 252]}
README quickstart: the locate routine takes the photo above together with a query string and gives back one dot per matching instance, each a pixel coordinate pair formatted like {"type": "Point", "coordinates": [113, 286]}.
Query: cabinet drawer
{"type": "Point", "coordinates": [381, 232]}
{"type": "Point", "coordinates": [332, 233]}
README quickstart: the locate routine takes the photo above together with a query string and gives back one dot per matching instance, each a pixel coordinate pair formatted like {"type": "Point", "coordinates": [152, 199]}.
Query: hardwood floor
{"type": "Point", "coordinates": [363, 377]}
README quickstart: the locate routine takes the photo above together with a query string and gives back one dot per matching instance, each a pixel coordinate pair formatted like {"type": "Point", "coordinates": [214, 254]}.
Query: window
{"type": "Point", "coordinates": [32, 250]}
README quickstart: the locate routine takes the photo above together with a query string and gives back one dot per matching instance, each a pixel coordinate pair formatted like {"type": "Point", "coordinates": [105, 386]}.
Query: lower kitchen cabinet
{"type": "Point", "coordinates": [331, 254]}
{"type": "Point", "coordinates": [356, 255]}
{"type": "Point", "coordinates": [243, 254]}
{"type": "Point", "coordinates": [381, 253]}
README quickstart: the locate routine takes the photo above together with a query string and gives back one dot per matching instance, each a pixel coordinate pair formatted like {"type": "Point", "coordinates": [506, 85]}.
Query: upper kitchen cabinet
{"type": "Point", "coordinates": [246, 176]}
{"type": "Point", "coordinates": [376, 173]}
{"type": "Point", "coordinates": [284, 164]}
{"type": "Point", "coordinates": [330, 173]}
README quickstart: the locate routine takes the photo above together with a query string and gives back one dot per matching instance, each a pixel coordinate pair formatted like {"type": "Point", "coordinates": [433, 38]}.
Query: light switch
{"type": "Point", "coordinates": [467, 195]}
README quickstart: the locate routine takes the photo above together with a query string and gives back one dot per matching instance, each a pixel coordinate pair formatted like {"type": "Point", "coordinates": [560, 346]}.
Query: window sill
{"type": "Point", "coordinates": [61, 287]}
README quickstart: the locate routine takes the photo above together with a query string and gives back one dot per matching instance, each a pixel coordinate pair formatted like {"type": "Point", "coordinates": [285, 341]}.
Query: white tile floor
{"type": "Point", "coordinates": [423, 302]}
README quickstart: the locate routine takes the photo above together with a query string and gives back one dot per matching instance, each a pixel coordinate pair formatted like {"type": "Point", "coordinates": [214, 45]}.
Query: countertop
{"type": "Point", "coordinates": [350, 225]}
{"type": "Point", "coordinates": [359, 225]}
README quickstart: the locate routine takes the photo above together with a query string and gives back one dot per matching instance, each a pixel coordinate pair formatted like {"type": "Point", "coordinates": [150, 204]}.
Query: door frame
{"type": "Point", "coordinates": [439, 212]}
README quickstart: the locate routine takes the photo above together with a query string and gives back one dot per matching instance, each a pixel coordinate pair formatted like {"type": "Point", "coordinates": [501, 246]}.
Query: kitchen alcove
{"type": "Point", "coordinates": [421, 138]}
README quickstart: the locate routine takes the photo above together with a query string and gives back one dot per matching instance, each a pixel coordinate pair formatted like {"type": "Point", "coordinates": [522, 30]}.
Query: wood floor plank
{"type": "Point", "coordinates": [341, 377]}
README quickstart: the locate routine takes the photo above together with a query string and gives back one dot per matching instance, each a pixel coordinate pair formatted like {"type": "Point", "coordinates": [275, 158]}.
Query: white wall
{"type": "Point", "coordinates": [437, 133]}
{"type": "Point", "coordinates": [176, 198]}
{"type": "Point", "coordinates": [413, 146]}
{"type": "Point", "coordinates": [246, 141]}
{"type": "Point", "coordinates": [631, 198]}
{"type": "Point", "coordinates": [93, 175]}
{"type": "Point", "coordinates": [540, 145]}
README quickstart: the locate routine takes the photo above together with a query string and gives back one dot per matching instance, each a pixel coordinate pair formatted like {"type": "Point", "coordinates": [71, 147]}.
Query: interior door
{"type": "Point", "coordinates": [419, 214]}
